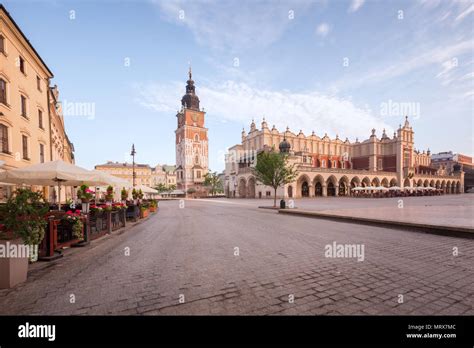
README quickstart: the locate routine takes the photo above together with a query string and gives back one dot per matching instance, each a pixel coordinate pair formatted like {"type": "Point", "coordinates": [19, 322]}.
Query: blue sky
{"type": "Point", "coordinates": [327, 66]}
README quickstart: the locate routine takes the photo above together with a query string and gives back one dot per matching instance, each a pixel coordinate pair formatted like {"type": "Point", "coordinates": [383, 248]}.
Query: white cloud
{"type": "Point", "coordinates": [437, 55]}
{"type": "Point", "coordinates": [323, 29]}
{"type": "Point", "coordinates": [356, 5]}
{"type": "Point", "coordinates": [240, 102]}
{"type": "Point", "coordinates": [465, 13]}
{"type": "Point", "coordinates": [230, 25]}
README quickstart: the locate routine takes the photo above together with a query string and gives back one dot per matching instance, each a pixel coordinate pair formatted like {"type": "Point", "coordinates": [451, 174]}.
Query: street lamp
{"type": "Point", "coordinates": [133, 163]}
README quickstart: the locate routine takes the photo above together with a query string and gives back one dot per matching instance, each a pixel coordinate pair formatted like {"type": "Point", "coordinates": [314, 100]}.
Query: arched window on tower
{"type": "Point", "coordinates": [196, 137]}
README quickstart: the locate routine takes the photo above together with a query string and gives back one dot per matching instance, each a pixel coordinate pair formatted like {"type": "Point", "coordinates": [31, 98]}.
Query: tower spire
{"type": "Point", "coordinates": [190, 99]}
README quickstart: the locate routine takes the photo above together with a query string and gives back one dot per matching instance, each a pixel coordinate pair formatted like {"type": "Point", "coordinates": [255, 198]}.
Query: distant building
{"type": "Point", "coordinates": [451, 163]}
{"type": "Point", "coordinates": [331, 167]}
{"type": "Point", "coordinates": [164, 175]}
{"type": "Point", "coordinates": [144, 173]}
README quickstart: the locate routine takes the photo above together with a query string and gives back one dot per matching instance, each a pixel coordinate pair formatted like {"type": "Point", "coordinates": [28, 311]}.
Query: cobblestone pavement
{"type": "Point", "coordinates": [446, 210]}
{"type": "Point", "coordinates": [189, 255]}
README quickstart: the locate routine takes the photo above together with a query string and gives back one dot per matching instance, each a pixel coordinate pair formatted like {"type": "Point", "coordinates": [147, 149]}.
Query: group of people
{"type": "Point", "coordinates": [385, 192]}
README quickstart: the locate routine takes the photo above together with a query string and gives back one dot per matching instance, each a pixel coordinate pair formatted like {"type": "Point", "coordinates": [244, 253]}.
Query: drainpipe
{"type": "Point", "coordinates": [50, 135]}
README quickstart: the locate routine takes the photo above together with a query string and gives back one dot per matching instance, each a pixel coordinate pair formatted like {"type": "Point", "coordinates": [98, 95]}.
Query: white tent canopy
{"type": "Point", "coordinates": [145, 189]}
{"type": "Point", "coordinates": [110, 179]}
{"type": "Point", "coordinates": [51, 174]}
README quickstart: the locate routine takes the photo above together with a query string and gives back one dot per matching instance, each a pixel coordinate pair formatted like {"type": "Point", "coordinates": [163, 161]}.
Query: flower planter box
{"type": "Point", "coordinates": [144, 213]}
{"type": "Point", "coordinates": [13, 270]}
{"type": "Point", "coordinates": [152, 209]}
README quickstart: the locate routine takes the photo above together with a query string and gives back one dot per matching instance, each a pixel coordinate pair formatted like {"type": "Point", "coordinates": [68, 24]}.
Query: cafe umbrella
{"type": "Point", "coordinates": [52, 173]}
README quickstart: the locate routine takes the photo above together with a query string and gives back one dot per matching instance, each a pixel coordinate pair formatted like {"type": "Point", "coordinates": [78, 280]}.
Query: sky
{"type": "Point", "coordinates": [336, 67]}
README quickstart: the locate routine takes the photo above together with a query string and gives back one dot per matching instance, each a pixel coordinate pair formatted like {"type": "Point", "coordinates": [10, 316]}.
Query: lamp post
{"type": "Point", "coordinates": [133, 164]}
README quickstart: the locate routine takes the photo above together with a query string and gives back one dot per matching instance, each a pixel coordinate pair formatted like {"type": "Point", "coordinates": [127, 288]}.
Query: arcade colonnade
{"type": "Point", "coordinates": [339, 184]}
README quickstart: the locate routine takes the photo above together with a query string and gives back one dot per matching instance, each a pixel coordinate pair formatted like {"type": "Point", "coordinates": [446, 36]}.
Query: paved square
{"type": "Point", "coordinates": [185, 261]}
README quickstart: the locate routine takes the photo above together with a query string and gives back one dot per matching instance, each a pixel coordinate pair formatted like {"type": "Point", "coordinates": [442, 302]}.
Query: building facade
{"type": "Point", "coordinates": [330, 167]}
{"type": "Point", "coordinates": [164, 175]}
{"type": "Point", "coordinates": [449, 162]}
{"type": "Point", "coordinates": [144, 173]}
{"type": "Point", "coordinates": [31, 126]}
{"type": "Point", "coordinates": [192, 156]}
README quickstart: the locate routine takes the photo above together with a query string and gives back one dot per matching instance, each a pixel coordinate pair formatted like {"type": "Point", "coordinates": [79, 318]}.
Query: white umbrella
{"type": "Point", "coordinates": [51, 174]}
{"type": "Point", "coordinates": [110, 179]}
{"type": "Point", "coordinates": [394, 188]}
{"type": "Point", "coordinates": [145, 189]}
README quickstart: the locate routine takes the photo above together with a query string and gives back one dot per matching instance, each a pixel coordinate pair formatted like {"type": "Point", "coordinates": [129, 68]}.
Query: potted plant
{"type": "Point", "coordinates": [23, 228]}
{"type": "Point", "coordinates": [109, 196]}
{"type": "Point", "coordinates": [85, 194]}
{"type": "Point", "coordinates": [140, 194]}
{"type": "Point", "coordinates": [75, 219]}
{"type": "Point", "coordinates": [134, 196]}
{"type": "Point", "coordinates": [124, 194]}
{"type": "Point", "coordinates": [144, 211]}
{"type": "Point", "coordinates": [153, 206]}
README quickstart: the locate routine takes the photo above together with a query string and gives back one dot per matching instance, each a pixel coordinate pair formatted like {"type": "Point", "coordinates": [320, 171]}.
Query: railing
{"type": "Point", "coordinates": [133, 212]}
{"type": "Point", "coordinates": [98, 225]}
{"type": "Point", "coordinates": [59, 234]}
{"type": "Point", "coordinates": [117, 219]}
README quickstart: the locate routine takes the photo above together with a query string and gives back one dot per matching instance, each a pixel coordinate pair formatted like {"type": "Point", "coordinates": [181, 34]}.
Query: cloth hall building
{"type": "Point", "coordinates": [331, 167]}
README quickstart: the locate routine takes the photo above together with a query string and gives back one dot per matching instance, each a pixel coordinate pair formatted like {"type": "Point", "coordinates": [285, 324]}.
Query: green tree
{"type": "Point", "coordinates": [212, 181]}
{"type": "Point", "coordinates": [161, 188]}
{"type": "Point", "coordinates": [272, 169]}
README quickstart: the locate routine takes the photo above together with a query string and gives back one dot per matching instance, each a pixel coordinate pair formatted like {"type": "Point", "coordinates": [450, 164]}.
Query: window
{"type": "Point", "coordinates": [2, 44]}
{"type": "Point", "coordinates": [196, 137]}
{"type": "Point", "coordinates": [4, 138]}
{"type": "Point", "coordinates": [24, 139]}
{"type": "Point", "coordinates": [3, 91]}
{"type": "Point", "coordinates": [380, 164]}
{"type": "Point", "coordinates": [22, 65]}
{"type": "Point", "coordinates": [323, 163]}
{"type": "Point", "coordinates": [41, 153]}
{"type": "Point", "coordinates": [38, 83]}
{"type": "Point", "coordinates": [198, 174]}
{"type": "Point", "coordinates": [23, 106]}
{"type": "Point", "coordinates": [40, 119]}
